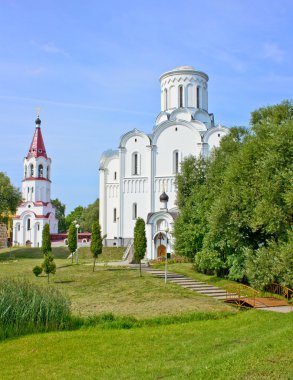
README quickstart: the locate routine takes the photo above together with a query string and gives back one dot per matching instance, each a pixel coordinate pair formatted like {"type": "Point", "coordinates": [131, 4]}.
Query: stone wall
{"type": "Point", "coordinates": [3, 236]}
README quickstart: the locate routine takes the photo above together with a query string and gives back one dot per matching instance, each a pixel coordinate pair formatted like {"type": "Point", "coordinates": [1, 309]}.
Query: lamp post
{"type": "Point", "coordinates": [77, 227]}
{"type": "Point", "coordinates": [166, 257]}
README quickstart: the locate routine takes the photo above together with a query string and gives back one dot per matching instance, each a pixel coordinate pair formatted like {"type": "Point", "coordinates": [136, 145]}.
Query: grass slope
{"type": "Point", "coordinates": [248, 345]}
{"type": "Point", "coordinates": [120, 291]}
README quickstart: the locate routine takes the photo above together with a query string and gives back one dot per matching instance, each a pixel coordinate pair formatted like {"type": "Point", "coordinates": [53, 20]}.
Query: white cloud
{"type": "Point", "coordinates": [272, 52]}
{"type": "Point", "coordinates": [50, 48]}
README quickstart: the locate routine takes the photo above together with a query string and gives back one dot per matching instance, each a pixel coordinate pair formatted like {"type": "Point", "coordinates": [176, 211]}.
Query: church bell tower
{"type": "Point", "coordinates": [36, 208]}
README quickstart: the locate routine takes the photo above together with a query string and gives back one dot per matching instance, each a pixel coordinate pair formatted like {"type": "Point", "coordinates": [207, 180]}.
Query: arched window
{"type": "Point", "coordinates": [40, 171]}
{"type": "Point", "coordinates": [176, 162]}
{"type": "Point", "coordinates": [197, 97]}
{"type": "Point", "coordinates": [134, 211]}
{"type": "Point", "coordinates": [180, 96]}
{"type": "Point", "coordinates": [114, 214]}
{"type": "Point", "coordinates": [135, 163]}
{"type": "Point", "coordinates": [48, 172]}
{"type": "Point", "coordinates": [115, 176]}
{"type": "Point", "coordinates": [28, 225]}
{"type": "Point", "coordinates": [165, 99]}
{"type": "Point", "coordinates": [31, 170]}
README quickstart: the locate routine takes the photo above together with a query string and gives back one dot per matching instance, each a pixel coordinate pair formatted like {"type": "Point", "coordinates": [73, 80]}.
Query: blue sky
{"type": "Point", "coordinates": [93, 67]}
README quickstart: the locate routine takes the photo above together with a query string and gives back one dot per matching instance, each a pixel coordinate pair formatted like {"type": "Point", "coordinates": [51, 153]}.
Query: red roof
{"type": "Point", "coordinates": [37, 147]}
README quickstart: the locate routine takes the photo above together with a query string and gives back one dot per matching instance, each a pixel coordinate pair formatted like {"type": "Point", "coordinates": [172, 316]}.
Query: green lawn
{"type": "Point", "coordinates": [117, 290]}
{"type": "Point", "coordinates": [247, 345]}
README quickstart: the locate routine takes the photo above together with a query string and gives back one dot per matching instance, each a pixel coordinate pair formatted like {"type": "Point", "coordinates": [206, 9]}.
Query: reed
{"type": "Point", "coordinates": [27, 308]}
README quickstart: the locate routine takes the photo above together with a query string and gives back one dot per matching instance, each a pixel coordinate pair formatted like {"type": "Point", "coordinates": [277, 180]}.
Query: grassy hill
{"type": "Point", "coordinates": [247, 345]}
{"type": "Point", "coordinates": [158, 331]}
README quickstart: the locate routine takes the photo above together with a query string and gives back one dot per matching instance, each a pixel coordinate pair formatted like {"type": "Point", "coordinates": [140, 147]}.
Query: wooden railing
{"type": "Point", "coordinates": [239, 294]}
{"type": "Point", "coordinates": [280, 290]}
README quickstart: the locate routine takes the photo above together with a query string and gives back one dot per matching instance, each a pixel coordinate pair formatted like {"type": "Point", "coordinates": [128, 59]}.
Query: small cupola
{"type": "Point", "coordinates": [164, 201]}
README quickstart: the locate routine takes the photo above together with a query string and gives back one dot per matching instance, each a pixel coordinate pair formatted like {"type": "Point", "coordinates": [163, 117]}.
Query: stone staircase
{"type": "Point", "coordinates": [189, 283]}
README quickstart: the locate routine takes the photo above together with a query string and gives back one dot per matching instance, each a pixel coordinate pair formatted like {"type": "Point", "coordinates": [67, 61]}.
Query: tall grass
{"type": "Point", "coordinates": [27, 308]}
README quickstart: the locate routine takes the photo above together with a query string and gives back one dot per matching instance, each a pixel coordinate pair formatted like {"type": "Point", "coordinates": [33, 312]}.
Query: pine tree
{"type": "Point", "coordinates": [46, 241]}
{"type": "Point", "coordinates": [140, 241]}
{"type": "Point", "coordinates": [96, 242]}
{"type": "Point", "coordinates": [72, 243]}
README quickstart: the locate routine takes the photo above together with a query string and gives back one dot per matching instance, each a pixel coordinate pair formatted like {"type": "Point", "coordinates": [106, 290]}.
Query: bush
{"type": "Point", "coordinates": [27, 308]}
{"type": "Point", "coordinates": [208, 262]}
{"type": "Point", "coordinates": [37, 270]}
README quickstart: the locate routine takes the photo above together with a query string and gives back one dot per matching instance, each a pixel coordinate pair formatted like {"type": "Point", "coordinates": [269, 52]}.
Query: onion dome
{"type": "Point", "coordinates": [164, 197]}
{"type": "Point", "coordinates": [38, 121]}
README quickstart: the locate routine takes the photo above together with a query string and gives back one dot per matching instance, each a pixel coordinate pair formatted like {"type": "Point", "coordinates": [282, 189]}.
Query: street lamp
{"type": "Point", "coordinates": [77, 227]}
{"type": "Point", "coordinates": [166, 257]}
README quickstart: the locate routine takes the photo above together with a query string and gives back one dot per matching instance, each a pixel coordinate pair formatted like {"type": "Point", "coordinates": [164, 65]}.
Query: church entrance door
{"type": "Point", "coordinates": [161, 251]}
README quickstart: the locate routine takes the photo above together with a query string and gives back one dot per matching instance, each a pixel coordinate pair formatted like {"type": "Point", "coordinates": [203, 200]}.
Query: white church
{"type": "Point", "coordinates": [138, 179]}
{"type": "Point", "coordinates": [36, 208]}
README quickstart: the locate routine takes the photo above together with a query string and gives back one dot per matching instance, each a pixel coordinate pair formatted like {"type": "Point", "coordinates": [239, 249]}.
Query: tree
{"type": "Point", "coordinates": [46, 240]}
{"type": "Point", "coordinates": [10, 197]}
{"type": "Point", "coordinates": [72, 243]}
{"type": "Point", "coordinates": [74, 215]}
{"type": "Point", "coordinates": [60, 214]}
{"type": "Point", "coordinates": [49, 265]}
{"type": "Point", "coordinates": [140, 241]}
{"type": "Point", "coordinates": [90, 215]}
{"type": "Point", "coordinates": [96, 242]}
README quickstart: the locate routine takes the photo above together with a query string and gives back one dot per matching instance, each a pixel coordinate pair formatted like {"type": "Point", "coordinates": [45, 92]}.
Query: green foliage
{"type": "Point", "coordinates": [89, 215]}
{"type": "Point", "coordinates": [27, 308]}
{"type": "Point", "coordinates": [140, 241]}
{"type": "Point", "coordinates": [270, 264]}
{"type": "Point", "coordinates": [49, 266]}
{"type": "Point", "coordinates": [46, 240]}
{"type": "Point", "coordinates": [96, 242]}
{"type": "Point", "coordinates": [76, 214]}
{"type": "Point", "coordinates": [241, 200]}
{"type": "Point", "coordinates": [60, 214]}
{"type": "Point", "coordinates": [190, 226]}
{"type": "Point", "coordinates": [72, 243]}
{"type": "Point", "coordinates": [10, 197]}
{"type": "Point", "coordinates": [37, 270]}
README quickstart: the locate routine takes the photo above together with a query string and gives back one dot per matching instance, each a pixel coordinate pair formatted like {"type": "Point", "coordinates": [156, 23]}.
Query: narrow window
{"type": "Point", "coordinates": [40, 172]}
{"type": "Point", "coordinates": [28, 190]}
{"type": "Point", "coordinates": [115, 215]}
{"type": "Point", "coordinates": [165, 99]}
{"type": "Point", "coordinates": [25, 171]}
{"type": "Point", "coordinates": [31, 170]}
{"type": "Point", "coordinates": [176, 162]}
{"type": "Point", "coordinates": [32, 189]}
{"type": "Point", "coordinates": [135, 163]}
{"type": "Point", "coordinates": [28, 224]}
{"type": "Point", "coordinates": [180, 96]}
{"type": "Point", "coordinates": [18, 227]}
{"type": "Point", "coordinates": [134, 211]}
{"type": "Point", "coordinates": [48, 172]}
{"type": "Point", "coordinates": [197, 96]}
{"type": "Point", "coordinates": [115, 176]}
{"type": "Point", "coordinates": [38, 227]}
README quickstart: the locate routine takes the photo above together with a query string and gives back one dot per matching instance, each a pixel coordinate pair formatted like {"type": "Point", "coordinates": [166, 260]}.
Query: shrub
{"type": "Point", "coordinates": [27, 308]}
{"type": "Point", "coordinates": [49, 265]}
{"type": "Point", "coordinates": [37, 270]}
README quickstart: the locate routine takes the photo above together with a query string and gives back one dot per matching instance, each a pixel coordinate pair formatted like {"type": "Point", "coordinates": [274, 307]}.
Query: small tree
{"type": "Point", "coordinates": [72, 244]}
{"type": "Point", "coordinates": [96, 242]}
{"type": "Point", "coordinates": [140, 241]}
{"type": "Point", "coordinates": [49, 265]}
{"type": "Point", "coordinates": [46, 241]}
